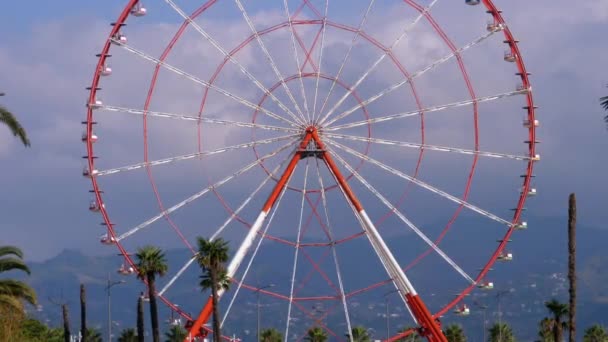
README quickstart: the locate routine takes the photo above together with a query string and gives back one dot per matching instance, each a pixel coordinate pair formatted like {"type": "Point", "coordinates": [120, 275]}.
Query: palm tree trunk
{"type": "Point", "coordinates": [140, 318]}
{"type": "Point", "coordinates": [83, 313]}
{"type": "Point", "coordinates": [572, 266]}
{"type": "Point", "coordinates": [153, 308]}
{"type": "Point", "coordinates": [557, 331]}
{"type": "Point", "coordinates": [66, 323]}
{"type": "Point", "coordinates": [216, 311]}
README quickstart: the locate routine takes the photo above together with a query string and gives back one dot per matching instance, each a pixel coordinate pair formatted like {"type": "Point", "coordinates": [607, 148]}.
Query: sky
{"type": "Point", "coordinates": [48, 59]}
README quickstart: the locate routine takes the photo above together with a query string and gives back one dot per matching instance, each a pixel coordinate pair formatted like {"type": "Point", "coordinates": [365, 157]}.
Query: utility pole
{"type": "Point", "coordinates": [257, 292]}
{"type": "Point", "coordinates": [388, 315]}
{"type": "Point", "coordinates": [108, 290]}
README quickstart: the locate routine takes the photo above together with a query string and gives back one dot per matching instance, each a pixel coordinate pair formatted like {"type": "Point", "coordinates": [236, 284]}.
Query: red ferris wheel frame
{"type": "Point", "coordinates": [527, 177]}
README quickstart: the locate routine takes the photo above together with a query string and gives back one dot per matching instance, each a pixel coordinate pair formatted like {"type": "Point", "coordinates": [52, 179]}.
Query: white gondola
{"type": "Point", "coordinates": [87, 173]}
{"type": "Point", "coordinates": [119, 38]}
{"type": "Point", "coordinates": [531, 192]}
{"type": "Point", "coordinates": [493, 26]}
{"type": "Point", "coordinates": [521, 87]}
{"type": "Point", "coordinates": [528, 123]}
{"type": "Point", "coordinates": [125, 270]}
{"type": "Point", "coordinates": [510, 57]}
{"type": "Point", "coordinates": [536, 157]}
{"type": "Point", "coordinates": [486, 285]}
{"type": "Point", "coordinates": [107, 240]}
{"type": "Point", "coordinates": [522, 225]}
{"type": "Point", "coordinates": [106, 71]}
{"type": "Point", "coordinates": [85, 137]}
{"type": "Point", "coordinates": [505, 256]}
{"type": "Point", "coordinates": [462, 310]}
{"type": "Point", "coordinates": [472, 2]}
{"type": "Point", "coordinates": [138, 10]}
{"type": "Point", "coordinates": [95, 104]}
{"type": "Point", "coordinates": [95, 207]}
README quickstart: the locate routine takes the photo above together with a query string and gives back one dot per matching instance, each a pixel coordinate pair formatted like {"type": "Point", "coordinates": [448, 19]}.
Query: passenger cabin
{"type": "Point", "coordinates": [125, 270]}
{"type": "Point", "coordinates": [95, 207]}
{"type": "Point", "coordinates": [107, 240]}
{"type": "Point", "coordinates": [509, 57]}
{"type": "Point", "coordinates": [486, 285]}
{"type": "Point", "coordinates": [138, 10]}
{"type": "Point", "coordinates": [505, 256]}
{"type": "Point", "coordinates": [472, 2]}
{"type": "Point", "coordinates": [462, 310]}
{"type": "Point", "coordinates": [89, 174]}
{"type": "Point", "coordinates": [521, 226]}
{"type": "Point", "coordinates": [85, 137]}
{"type": "Point", "coordinates": [106, 71]}
{"type": "Point", "coordinates": [119, 38]}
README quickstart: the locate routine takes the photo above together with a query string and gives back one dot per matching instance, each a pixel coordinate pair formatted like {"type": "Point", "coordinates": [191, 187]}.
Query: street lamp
{"type": "Point", "coordinates": [108, 290]}
{"type": "Point", "coordinates": [499, 297]}
{"type": "Point", "coordinates": [484, 308]}
{"type": "Point", "coordinates": [388, 316]}
{"type": "Point", "coordinates": [257, 292]}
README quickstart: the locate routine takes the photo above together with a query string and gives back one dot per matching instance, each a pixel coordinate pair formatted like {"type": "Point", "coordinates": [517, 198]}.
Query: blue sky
{"type": "Point", "coordinates": [48, 58]}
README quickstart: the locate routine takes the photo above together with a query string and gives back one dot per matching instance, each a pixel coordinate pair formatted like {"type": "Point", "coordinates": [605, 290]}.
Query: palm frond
{"type": "Point", "coordinates": [10, 302]}
{"type": "Point", "coordinates": [11, 250]}
{"type": "Point", "coordinates": [10, 264]}
{"type": "Point", "coordinates": [17, 289]}
{"type": "Point", "coordinates": [14, 126]}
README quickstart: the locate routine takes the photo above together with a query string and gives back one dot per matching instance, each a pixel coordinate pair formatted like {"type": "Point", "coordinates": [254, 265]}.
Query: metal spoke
{"type": "Point", "coordinates": [204, 83]}
{"type": "Point", "coordinates": [427, 147]}
{"type": "Point", "coordinates": [270, 59]}
{"type": "Point", "coordinates": [421, 183]}
{"type": "Point", "coordinates": [204, 119]}
{"type": "Point", "coordinates": [324, 29]}
{"type": "Point", "coordinates": [193, 155]}
{"type": "Point", "coordinates": [232, 59]}
{"type": "Point", "coordinates": [417, 74]}
{"type": "Point", "coordinates": [407, 29]}
{"type": "Point", "coordinates": [404, 219]}
{"type": "Point", "coordinates": [350, 48]}
{"type": "Point", "coordinates": [177, 275]}
{"type": "Point", "coordinates": [203, 192]}
{"type": "Point", "coordinates": [297, 249]}
{"type": "Point", "coordinates": [427, 110]}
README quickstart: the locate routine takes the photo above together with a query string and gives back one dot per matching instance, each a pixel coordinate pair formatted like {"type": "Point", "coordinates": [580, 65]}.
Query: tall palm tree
{"type": "Point", "coordinates": [572, 264]}
{"type": "Point", "coordinates": [211, 257]}
{"type": "Point", "coordinates": [14, 292]}
{"type": "Point", "coordinates": [501, 332]}
{"type": "Point", "coordinates": [127, 335]}
{"type": "Point", "coordinates": [140, 318]}
{"type": "Point", "coordinates": [271, 335]}
{"type": "Point", "coordinates": [83, 313]}
{"type": "Point", "coordinates": [359, 334]}
{"type": "Point", "coordinates": [596, 333]}
{"type": "Point", "coordinates": [13, 125]}
{"type": "Point", "coordinates": [316, 334]}
{"type": "Point", "coordinates": [545, 330]}
{"type": "Point", "coordinates": [559, 311]}
{"type": "Point", "coordinates": [66, 323]}
{"type": "Point", "coordinates": [454, 333]}
{"type": "Point", "coordinates": [176, 334]}
{"type": "Point", "coordinates": [151, 262]}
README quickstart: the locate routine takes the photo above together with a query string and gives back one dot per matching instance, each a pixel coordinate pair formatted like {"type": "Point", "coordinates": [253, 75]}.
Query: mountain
{"type": "Point", "coordinates": [537, 274]}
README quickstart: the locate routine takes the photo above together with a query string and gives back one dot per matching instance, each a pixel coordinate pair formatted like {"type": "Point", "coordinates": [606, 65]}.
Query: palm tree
{"type": "Point", "coordinates": [83, 313]}
{"type": "Point", "coordinates": [94, 335]}
{"type": "Point", "coordinates": [150, 263]}
{"type": "Point", "coordinates": [545, 330]}
{"type": "Point", "coordinates": [14, 126]}
{"type": "Point", "coordinates": [212, 255]}
{"type": "Point", "coordinates": [316, 334]}
{"type": "Point", "coordinates": [359, 334]}
{"type": "Point", "coordinates": [413, 337]}
{"type": "Point", "coordinates": [558, 310]}
{"type": "Point", "coordinates": [596, 333]}
{"type": "Point", "coordinates": [140, 318]}
{"type": "Point", "coordinates": [127, 335]}
{"type": "Point", "coordinates": [572, 265]}
{"type": "Point", "coordinates": [604, 103]}
{"type": "Point", "coordinates": [454, 333]}
{"type": "Point", "coordinates": [270, 335]}
{"type": "Point", "coordinates": [176, 334]}
{"type": "Point", "coordinates": [14, 292]}
{"type": "Point", "coordinates": [66, 323]}
{"type": "Point", "coordinates": [501, 332]}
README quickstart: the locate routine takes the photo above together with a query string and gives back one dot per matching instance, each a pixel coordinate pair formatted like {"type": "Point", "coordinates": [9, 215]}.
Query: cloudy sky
{"type": "Point", "coordinates": [47, 58]}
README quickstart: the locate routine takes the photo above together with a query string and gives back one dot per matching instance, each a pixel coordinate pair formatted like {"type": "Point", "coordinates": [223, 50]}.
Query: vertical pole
{"type": "Point", "coordinates": [258, 304]}
{"type": "Point", "coordinates": [572, 267]}
{"type": "Point", "coordinates": [388, 321]}
{"type": "Point", "coordinates": [109, 309]}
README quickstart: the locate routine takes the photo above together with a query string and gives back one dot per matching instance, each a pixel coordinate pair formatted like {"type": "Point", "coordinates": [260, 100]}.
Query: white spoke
{"type": "Point", "coordinates": [297, 59]}
{"type": "Point", "coordinates": [417, 74]}
{"type": "Point", "coordinates": [177, 275]}
{"type": "Point", "coordinates": [232, 59]}
{"type": "Point", "coordinates": [352, 44]}
{"type": "Point", "coordinates": [404, 219]}
{"type": "Point", "coordinates": [333, 249]}
{"type": "Point", "coordinates": [193, 155]}
{"type": "Point", "coordinates": [407, 29]}
{"type": "Point", "coordinates": [427, 110]}
{"type": "Point", "coordinates": [204, 83]}
{"type": "Point", "coordinates": [203, 192]}
{"type": "Point", "coordinates": [427, 147]}
{"type": "Point", "coordinates": [421, 183]}
{"type": "Point", "coordinates": [269, 58]}
{"type": "Point", "coordinates": [209, 119]}
{"type": "Point", "coordinates": [257, 248]}
{"type": "Point", "coordinates": [297, 250]}
{"type": "Point", "coordinates": [324, 29]}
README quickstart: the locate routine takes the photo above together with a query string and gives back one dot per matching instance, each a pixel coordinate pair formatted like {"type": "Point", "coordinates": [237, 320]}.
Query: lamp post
{"type": "Point", "coordinates": [499, 297]}
{"type": "Point", "coordinates": [484, 308]}
{"type": "Point", "coordinates": [108, 290]}
{"type": "Point", "coordinates": [388, 315]}
{"type": "Point", "coordinates": [257, 292]}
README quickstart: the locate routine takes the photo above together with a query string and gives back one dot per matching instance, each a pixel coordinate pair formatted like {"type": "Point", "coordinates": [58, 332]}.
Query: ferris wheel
{"type": "Point", "coordinates": [346, 149]}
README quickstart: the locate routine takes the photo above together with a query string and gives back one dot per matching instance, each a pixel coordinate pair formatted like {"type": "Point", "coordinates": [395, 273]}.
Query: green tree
{"type": "Point", "coordinates": [14, 292]}
{"type": "Point", "coordinates": [151, 263]}
{"type": "Point", "coordinates": [359, 334]}
{"type": "Point", "coordinates": [271, 335]}
{"type": "Point", "coordinates": [176, 334]}
{"type": "Point", "coordinates": [94, 335]}
{"type": "Point", "coordinates": [454, 333]}
{"type": "Point", "coordinates": [127, 335]}
{"type": "Point", "coordinates": [316, 334]}
{"type": "Point", "coordinates": [559, 311]}
{"type": "Point", "coordinates": [596, 333]}
{"type": "Point", "coordinates": [212, 256]}
{"type": "Point", "coordinates": [501, 332]}
{"type": "Point", "coordinates": [8, 119]}
{"type": "Point", "coordinates": [413, 337]}
{"type": "Point", "coordinates": [545, 330]}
